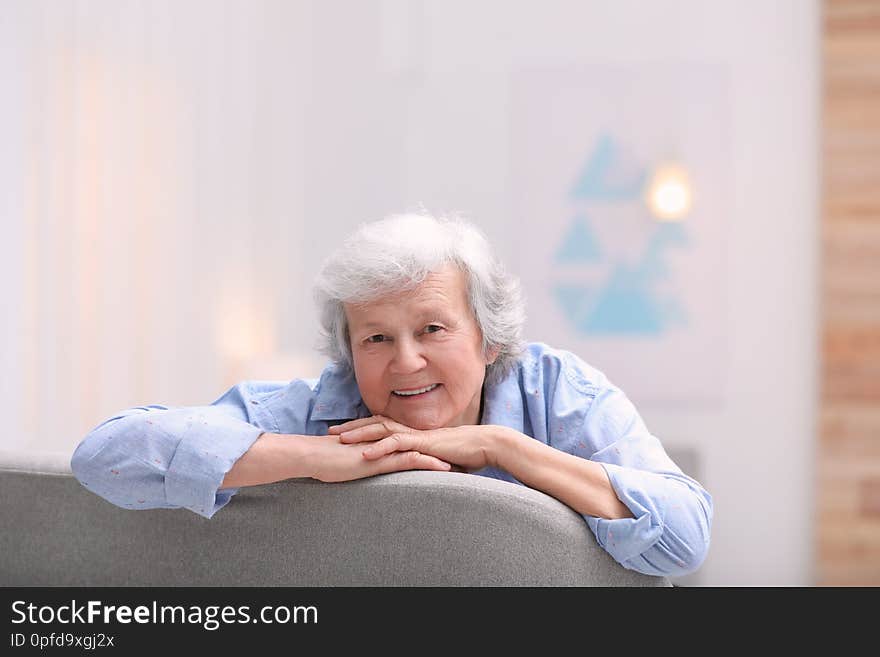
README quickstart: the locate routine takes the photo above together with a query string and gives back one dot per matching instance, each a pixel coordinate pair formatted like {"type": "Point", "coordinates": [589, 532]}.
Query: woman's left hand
{"type": "Point", "coordinates": [471, 447]}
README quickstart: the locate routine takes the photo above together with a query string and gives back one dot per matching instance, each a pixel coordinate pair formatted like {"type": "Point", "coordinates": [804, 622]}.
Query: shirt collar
{"type": "Point", "coordinates": [503, 402]}
{"type": "Point", "coordinates": [337, 396]}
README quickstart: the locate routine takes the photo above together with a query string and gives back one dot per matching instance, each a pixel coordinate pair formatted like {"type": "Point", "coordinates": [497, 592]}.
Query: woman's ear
{"type": "Point", "coordinates": [492, 355]}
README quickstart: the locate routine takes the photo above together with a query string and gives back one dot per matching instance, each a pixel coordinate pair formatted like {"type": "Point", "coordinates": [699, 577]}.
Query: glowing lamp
{"type": "Point", "coordinates": [669, 195]}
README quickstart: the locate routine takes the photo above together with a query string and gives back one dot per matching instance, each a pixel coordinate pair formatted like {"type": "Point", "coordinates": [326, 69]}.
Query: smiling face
{"type": "Point", "coordinates": [426, 342]}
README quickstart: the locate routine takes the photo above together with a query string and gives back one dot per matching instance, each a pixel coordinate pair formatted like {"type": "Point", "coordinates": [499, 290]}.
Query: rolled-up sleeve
{"type": "Point", "coordinates": [669, 532]}
{"type": "Point", "coordinates": [158, 457]}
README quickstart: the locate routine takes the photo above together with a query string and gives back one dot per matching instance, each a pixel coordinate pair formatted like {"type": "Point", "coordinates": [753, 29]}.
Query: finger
{"type": "Point", "coordinates": [354, 424]}
{"type": "Point", "coordinates": [412, 461]}
{"type": "Point", "coordinates": [393, 443]}
{"type": "Point", "coordinates": [428, 462]}
{"type": "Point", "coordinates": [370, 432]}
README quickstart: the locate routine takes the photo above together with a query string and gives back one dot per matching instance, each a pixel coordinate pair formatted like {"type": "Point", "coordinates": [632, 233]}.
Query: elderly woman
{"type": "Point", "coordinates": [428, 371]}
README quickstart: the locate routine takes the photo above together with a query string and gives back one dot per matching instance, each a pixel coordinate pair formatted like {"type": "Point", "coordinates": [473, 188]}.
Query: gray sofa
{"type": "Point", "coordinates": [403, 529]}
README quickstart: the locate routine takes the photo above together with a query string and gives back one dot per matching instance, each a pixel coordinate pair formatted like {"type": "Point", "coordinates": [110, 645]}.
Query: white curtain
{"type": "Point", "coordinates": [151, 197]}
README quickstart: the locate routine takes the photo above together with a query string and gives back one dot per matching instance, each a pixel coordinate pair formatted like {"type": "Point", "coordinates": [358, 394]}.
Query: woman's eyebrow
{"type": "Point", "coordinates": [422, 315]}
{"type": "Point", "coordinates": [430, 314]}
{"type": "Point", "coordinates": [370, 326]}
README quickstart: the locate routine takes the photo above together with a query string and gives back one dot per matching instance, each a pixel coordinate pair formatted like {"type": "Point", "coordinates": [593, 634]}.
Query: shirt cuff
{"type": "Point", "coordinates": [205, 454]}
{"type": "Point", "coordinates": [625, 538]}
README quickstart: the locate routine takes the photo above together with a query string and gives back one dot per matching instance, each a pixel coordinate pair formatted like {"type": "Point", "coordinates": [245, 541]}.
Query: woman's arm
{"type": "Point", "coordinates": [581, 484]}
{"type": "Point", "coordinates": [275, 457]}
{"type": "Point", "coordinates": [157, 457]}
{"type": "Point", "coordinates": [153, 457]}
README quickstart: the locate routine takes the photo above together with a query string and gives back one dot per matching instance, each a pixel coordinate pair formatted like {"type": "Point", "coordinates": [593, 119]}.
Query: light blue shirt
{"type": "Point", "coordinates": [164, 457]}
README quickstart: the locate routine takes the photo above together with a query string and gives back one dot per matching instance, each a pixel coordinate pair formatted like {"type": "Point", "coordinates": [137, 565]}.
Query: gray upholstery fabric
{"type": "Point", "coordinates": [403, 529]}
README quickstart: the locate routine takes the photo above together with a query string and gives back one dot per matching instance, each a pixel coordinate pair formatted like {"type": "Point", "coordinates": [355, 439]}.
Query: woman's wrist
{"type": "Point", "coordinates": [301, 454]}
{"type": "Point", "coordinates": [500, 443]}
{"type": "Point", "coordinates": [266, 461]}
{"type": "Point", "coordinates": [286, 456]}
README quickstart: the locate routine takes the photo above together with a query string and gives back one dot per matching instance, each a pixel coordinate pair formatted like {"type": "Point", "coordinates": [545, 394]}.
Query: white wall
{"type": "Point", "coordinates": [190, 162]}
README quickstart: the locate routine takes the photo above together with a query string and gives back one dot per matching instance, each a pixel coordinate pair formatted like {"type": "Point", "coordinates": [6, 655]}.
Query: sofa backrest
{"type": "Point", "coordinates": [404, 529]}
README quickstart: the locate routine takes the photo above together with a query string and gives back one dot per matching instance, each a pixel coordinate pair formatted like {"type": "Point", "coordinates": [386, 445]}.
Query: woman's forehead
{"type": "Point", "coordinates": [442, 292]}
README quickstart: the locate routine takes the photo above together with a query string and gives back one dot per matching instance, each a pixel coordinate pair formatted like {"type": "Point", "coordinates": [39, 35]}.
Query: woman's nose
{"type": "Point", "coordinates": [408, 357]}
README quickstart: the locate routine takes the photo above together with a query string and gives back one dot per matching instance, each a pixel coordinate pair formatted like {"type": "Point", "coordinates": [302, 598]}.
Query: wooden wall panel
{"type": "Point", "coordinates": [848, 458]}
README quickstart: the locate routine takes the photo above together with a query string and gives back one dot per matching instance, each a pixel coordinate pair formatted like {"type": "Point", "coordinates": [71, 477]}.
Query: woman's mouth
{"type": "Point", "coordinates": [416, 393]}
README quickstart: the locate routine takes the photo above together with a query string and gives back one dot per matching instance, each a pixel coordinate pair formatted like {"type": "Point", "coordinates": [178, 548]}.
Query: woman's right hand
{"type": "Point", "coordinates": [275, 457]}
{"type": "Point", "coordinates": [332, 461]}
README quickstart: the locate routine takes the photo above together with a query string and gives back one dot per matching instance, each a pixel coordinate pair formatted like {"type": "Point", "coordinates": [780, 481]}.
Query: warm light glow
{"type": "Point", "coordinates": [244, 326]}
{"type": "Point", "coordinates": [669, 195]}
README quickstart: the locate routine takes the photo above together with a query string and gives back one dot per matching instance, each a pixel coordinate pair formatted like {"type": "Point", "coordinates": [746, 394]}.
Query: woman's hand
{"type": "Point", "coordinates": [275, 457]}
{"type": "Point", "coordinates": [470, 447]}
{"type": "Point", "coordinates": [334, 461]}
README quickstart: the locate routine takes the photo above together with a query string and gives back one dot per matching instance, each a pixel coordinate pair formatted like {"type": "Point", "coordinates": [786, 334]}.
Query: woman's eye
{"type": "Point", "coordinates": [375, 339]}
{"type": "Point", "coordinates": [433, 328]}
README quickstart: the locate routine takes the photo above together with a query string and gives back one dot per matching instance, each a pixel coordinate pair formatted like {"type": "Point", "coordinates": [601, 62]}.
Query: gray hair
{"type": "Point", "coordinates": [395, 255]}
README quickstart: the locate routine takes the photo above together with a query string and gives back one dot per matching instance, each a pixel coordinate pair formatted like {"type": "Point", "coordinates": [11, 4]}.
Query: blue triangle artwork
{"type": "Point", "coordinates": [627, 301]}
